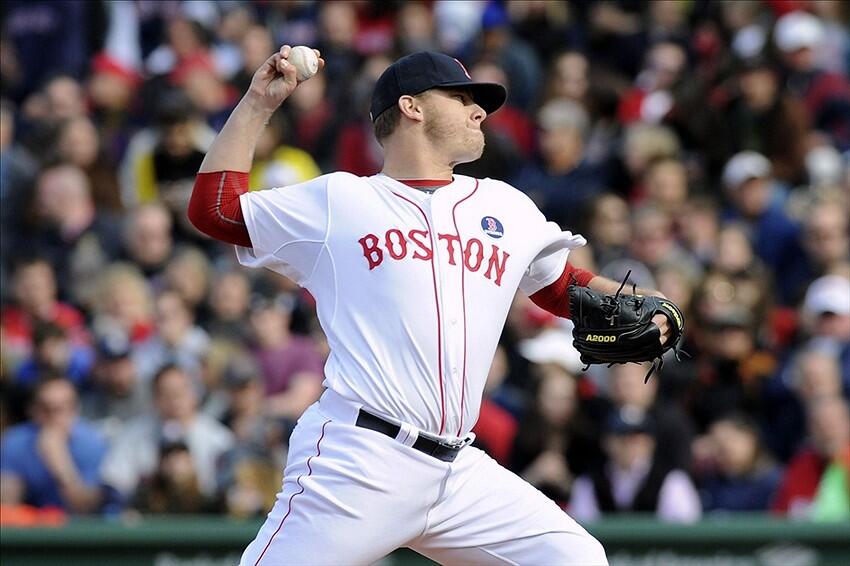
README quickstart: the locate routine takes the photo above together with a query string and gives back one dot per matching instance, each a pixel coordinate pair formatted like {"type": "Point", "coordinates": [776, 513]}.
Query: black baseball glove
{"type": "Point", "coordinates": [617, 329]}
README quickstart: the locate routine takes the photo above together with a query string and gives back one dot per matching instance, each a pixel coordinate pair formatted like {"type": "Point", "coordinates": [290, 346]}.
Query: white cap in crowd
{"type": "Point", "coordinates": [797, 30]}
{"type": "Point", "coordinates": [828, 294]}
{"type": "Point", "coordinates": [563, 114]}
{"type": "Point", "coordinates": [744, 166]}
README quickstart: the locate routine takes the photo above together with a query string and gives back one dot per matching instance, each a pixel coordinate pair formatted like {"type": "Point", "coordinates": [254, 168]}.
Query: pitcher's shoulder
{"type": "Point", "coordinates": [501, 189]}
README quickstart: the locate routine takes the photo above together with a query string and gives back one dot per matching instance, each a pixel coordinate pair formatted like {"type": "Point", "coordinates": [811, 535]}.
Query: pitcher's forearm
{"type": "Point", "coordinates": [233, 148]}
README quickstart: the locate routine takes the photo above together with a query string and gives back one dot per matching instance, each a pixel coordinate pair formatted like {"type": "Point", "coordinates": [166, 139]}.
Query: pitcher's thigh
{"type": "Point", "coordinates": [555, 549]}
{"type": "Point", "coordinates": [490, 515]}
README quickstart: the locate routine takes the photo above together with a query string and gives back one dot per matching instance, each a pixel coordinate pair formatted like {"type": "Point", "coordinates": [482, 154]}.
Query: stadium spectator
{"type": "Point", "coordinates": [665, 182]}
{"type": "Point", "coordinates": [826, 319]}
{"type": "Point", "coordinates": [813, 372]}
{"type": "Point", "coordinates": [53, 459]}
{"type": "Point", "coordinates": [733, 366]}
{"type": "Point", "coordinates": [188, 274]}
{"type": "Point", "coordinates": [633, 477]}
{"type": "Point", "coordinates": [135, 451]}
{"type": "Point", "coordinates": [67, 229]}
{"type": "Point", "coordinates": [250, 472]}
{"type": "Point", "coordinates": [814, 484]}
{"type": "Point", "coordinates": [17, 171]}
{"type": "Point", "coordinates": [653, 240]}
{"type": "Point", "coordinates": [116, 393]}
{"type": "Point", "coordinates": [314, 119]}
{"type": "Point", "coordinates": [291, 365]}
{"type": "Point", "coordinates": [700, 225]}
{"type": "Point", "coordinates": [826, 237]}
{"type": "Point", "coordinates": [554, 441]}
{"type": "Point", "coordinates": [673, 430]}
{"type": "Point", "coordinates": [641, 145]}
{"type": "Point", "coordinates": [357, 150]}
{"type": "Point", "coordinates": [178, 340]}
{"type": "Point", "coordinates": [78, 143]}
{"type": "Point", "coordinates": [277, 164]}
{"type": "Point", "coordinates": [54, 354]}
{"type": "Point", "coordinates": [161, 160]}
{"type": "Point", "coordinates": [562, 184]}
{"type": "Point", "coordinates": [123, 302]}
{"type": "Point", "coordinates": [740, 475]}
{"type": "Point", "coordinates": [34, 289]}
{"type": "Point", "coordinates": [775, 236]}
{"type": "Point", "coordinates": [112, 90]}
{"type": "Point", "coordinates": [761, 116]}
{"type": "Point", "coordinates": [497, 42]}
{"type": "Point", "coordinates": [228, 304]}
{"type": "Point", "coordinates": [148, 241]}
{"type": "Point", "coordinates": [826, 95]}
{"type": "Point", "coordinates": [173, 488]}
{"type": "Point", "coordinates": [608, 228]}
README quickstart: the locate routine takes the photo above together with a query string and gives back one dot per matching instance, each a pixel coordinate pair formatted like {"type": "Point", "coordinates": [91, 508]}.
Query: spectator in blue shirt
{"type": "Point", "coordinates": [563, 183]}
{"type": "Point", "coordinates": [55, 354]}
{"type": "Point", "coordinates": [53, 460]}
{"type": "Point", "coordinates": [775, 237]}
{"type": "Point", "coordinates": [742, 476]}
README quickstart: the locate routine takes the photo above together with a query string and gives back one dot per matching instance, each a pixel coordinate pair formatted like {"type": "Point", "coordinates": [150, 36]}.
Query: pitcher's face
{"type": "Point", "coordinates": [453, 124]}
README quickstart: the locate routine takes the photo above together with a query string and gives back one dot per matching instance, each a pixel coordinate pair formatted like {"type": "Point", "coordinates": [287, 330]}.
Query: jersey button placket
{"type": "Point", "coordinates": [451, 301]}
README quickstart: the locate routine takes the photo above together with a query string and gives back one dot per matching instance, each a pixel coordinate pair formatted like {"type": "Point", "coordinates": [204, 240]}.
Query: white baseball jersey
{"type": "Point", "coordinates": [412, 289]}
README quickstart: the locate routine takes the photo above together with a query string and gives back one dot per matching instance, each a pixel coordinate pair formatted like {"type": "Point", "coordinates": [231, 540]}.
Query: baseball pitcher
{"type": "Point", "coordinates": [413, 271]}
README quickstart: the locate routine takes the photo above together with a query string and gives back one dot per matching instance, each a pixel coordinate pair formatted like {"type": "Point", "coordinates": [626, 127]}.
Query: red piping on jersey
{"type": "Point", "coordinates": [291, 497]}
{"type": "Point", "coordinates": [463, 302]}
{"type": "Point", "coordinates": [437, 304]}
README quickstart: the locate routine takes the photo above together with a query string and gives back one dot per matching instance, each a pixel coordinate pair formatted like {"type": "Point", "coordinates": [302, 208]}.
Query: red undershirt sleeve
{"type": "Point", "coordinates": [214, 207]}
{"type": "Point", "coordinates": [554, 297]}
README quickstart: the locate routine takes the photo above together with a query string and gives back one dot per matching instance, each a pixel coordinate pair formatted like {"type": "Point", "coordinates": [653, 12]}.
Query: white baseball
{"type": "Point", "coordinates": [305, 61]}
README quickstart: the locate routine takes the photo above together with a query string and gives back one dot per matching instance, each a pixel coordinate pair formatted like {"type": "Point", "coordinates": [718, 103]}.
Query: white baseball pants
{"type": "Point", "coordinates": [351, 496]}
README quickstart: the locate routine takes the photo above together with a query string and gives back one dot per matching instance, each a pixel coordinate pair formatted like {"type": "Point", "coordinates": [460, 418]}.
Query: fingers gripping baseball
{"type": "Point", "coordinates": [277, 77]}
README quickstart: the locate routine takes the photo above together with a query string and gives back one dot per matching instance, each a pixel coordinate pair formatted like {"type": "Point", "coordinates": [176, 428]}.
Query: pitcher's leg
{"type": "Point", "coordinates": [489, 515]}
{"type": "Point", "coordinates": [343, 501]}
{"type": "Point", "coordinates": [555, 549]}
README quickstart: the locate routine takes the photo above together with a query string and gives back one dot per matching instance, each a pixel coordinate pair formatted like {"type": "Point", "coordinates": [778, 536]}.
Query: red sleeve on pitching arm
{"type": "Point", "coordinates": [554, 298]}
{"type": "Point", "coordinates": [214, 208]}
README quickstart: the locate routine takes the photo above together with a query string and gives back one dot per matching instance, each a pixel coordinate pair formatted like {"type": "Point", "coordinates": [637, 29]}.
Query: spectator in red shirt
{"type": "Point", "coordinates": [34, 291]}
{"type": "Point", "coordinates": [829, 430]}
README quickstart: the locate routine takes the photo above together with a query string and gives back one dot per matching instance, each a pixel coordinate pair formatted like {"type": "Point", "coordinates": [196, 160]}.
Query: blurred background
{"type": "Point", "coordinates": [148, 384]}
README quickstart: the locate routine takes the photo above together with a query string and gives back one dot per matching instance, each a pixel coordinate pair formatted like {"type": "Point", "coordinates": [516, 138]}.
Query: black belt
{"type": "Point", "coordinates": [439, 449]}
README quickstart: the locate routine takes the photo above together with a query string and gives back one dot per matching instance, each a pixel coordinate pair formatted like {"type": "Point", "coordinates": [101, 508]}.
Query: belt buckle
{"type": "Point", "coordinates": [456, 444]}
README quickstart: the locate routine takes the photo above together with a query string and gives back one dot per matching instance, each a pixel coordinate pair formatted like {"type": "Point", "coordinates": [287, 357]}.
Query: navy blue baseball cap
{"type": "Point", "coordinates": [418, 72]}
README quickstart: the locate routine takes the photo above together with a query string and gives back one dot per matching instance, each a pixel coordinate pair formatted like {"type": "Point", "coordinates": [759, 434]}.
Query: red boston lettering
{"type": "Point", "coordinates": [371, 251]}
{"type": "Point", "coordinates": [468, 254]}
{"type": "Point", "coordinates": [472, 254]}
{"type": "Point", "coordinates": [414, 236]}
{"type": "Point", "coordinates": [450, 239]}
{"type": "Point", "coordinates": [493, 263]}
{"type": "Point", "coordinates": [401, 244]}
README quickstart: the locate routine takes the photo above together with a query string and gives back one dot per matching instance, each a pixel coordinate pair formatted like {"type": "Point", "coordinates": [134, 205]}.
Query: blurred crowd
{"type": "Point", "coordinates": [703, 146]}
